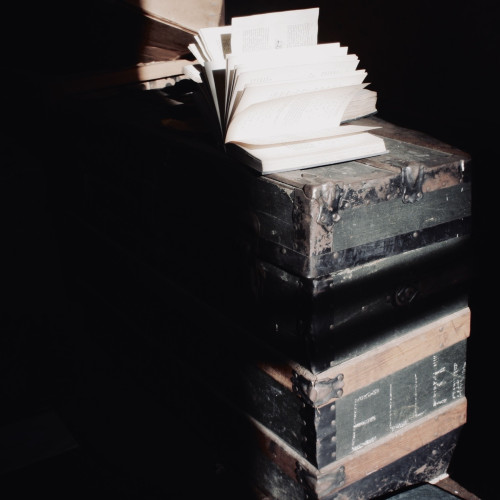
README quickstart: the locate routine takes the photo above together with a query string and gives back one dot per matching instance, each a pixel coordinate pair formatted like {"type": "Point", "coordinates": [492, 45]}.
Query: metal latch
{"type": "Point", "coordinates": [412, 179]}
{"type": "Point", "coordinates": [318, 392]}
{"type": "Point", "coordinates": [328, 197]}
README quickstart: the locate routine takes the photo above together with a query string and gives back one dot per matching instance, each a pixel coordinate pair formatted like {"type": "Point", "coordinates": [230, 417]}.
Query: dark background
{"type": "Point", "coordinates": [433, 64]}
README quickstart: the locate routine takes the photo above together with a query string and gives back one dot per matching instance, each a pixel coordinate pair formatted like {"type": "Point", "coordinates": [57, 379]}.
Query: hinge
{"type": "Point", "coordinates": [319, 433]}
{"type": "Point", "coordinates": [328, 197]}
{"type": "Point", "coordinates": [318, 392]}
{"type": "Point", "coordinates": [319, 486]}
{"type": "Point", "coordinates": [412, 180]}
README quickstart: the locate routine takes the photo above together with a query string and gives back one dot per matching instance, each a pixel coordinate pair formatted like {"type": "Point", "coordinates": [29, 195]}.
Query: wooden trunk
{"type": "Point", "coordinates": [368, 393]}
{"type": "Point", "coordinates": [314, 320]}
{"type": "Point", "coordinates": [316, 221]}
{"type": "Point", "coordinates": [418, 453]}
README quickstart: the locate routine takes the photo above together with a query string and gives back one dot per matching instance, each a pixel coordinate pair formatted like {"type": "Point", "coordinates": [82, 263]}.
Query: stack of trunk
{"type": "Point", "coordinates": [324, 312]}
{"type": "Point", "coordinates": [351, 383]}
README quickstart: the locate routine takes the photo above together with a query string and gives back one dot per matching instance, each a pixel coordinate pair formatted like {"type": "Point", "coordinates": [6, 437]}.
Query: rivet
{"type": "Point", "coordinates": [415, 234]}
{"type": "Point", "coordinates": [335, 256]}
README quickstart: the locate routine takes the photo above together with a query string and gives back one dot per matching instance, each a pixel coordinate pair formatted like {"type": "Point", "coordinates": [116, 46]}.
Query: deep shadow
{"type": "Point", "coordinates": [95, 334]}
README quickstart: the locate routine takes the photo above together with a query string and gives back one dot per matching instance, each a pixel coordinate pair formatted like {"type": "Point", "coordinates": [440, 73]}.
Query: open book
{"type": "Point", "coordinates": [278, 99]}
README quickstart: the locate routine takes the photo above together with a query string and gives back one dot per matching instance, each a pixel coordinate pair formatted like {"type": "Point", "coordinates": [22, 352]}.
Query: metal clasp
{"type": "Point", "coordinates": [318, 392]}
{"type": "Point", "coordinates": [328, 197]}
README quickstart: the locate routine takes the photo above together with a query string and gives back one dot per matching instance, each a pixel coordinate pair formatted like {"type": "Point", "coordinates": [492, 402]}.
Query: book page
{"type": "Point", "coordinates": [195, 50]}
{"type": "Point", "coordinates": [216, 41]}
{"type": "Point", "coordinates": [290, 55]}
{"type": "Point", "coordinates": [292, 118]}
{"type": "Point", "coordinates": [281, 58]}
{"type": "Point", "coordinates": [198, 42]}
{"type": "Point", "coordinates": [307, 154]}
{"type": "Point", "coordinates": [253, 94]}
{"type": "Point", "coordinates": [287, 57]}
{"type": "Point", "coordinates": [341, 130]}
{"type": "Point", "coordinates": [333, 68]}
{"type": "Point", "coordinates": [214, 73]}
{"type": "Point", "coordinates": [363, 103]}
{"type": "Point", "coordinates": [191, 72]}
{"type": "Point", "coordinates": [274, 30]}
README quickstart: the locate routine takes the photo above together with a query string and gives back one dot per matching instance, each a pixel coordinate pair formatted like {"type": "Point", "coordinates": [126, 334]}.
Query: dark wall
{"type": "Point", "coordinates": [432, 63]}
